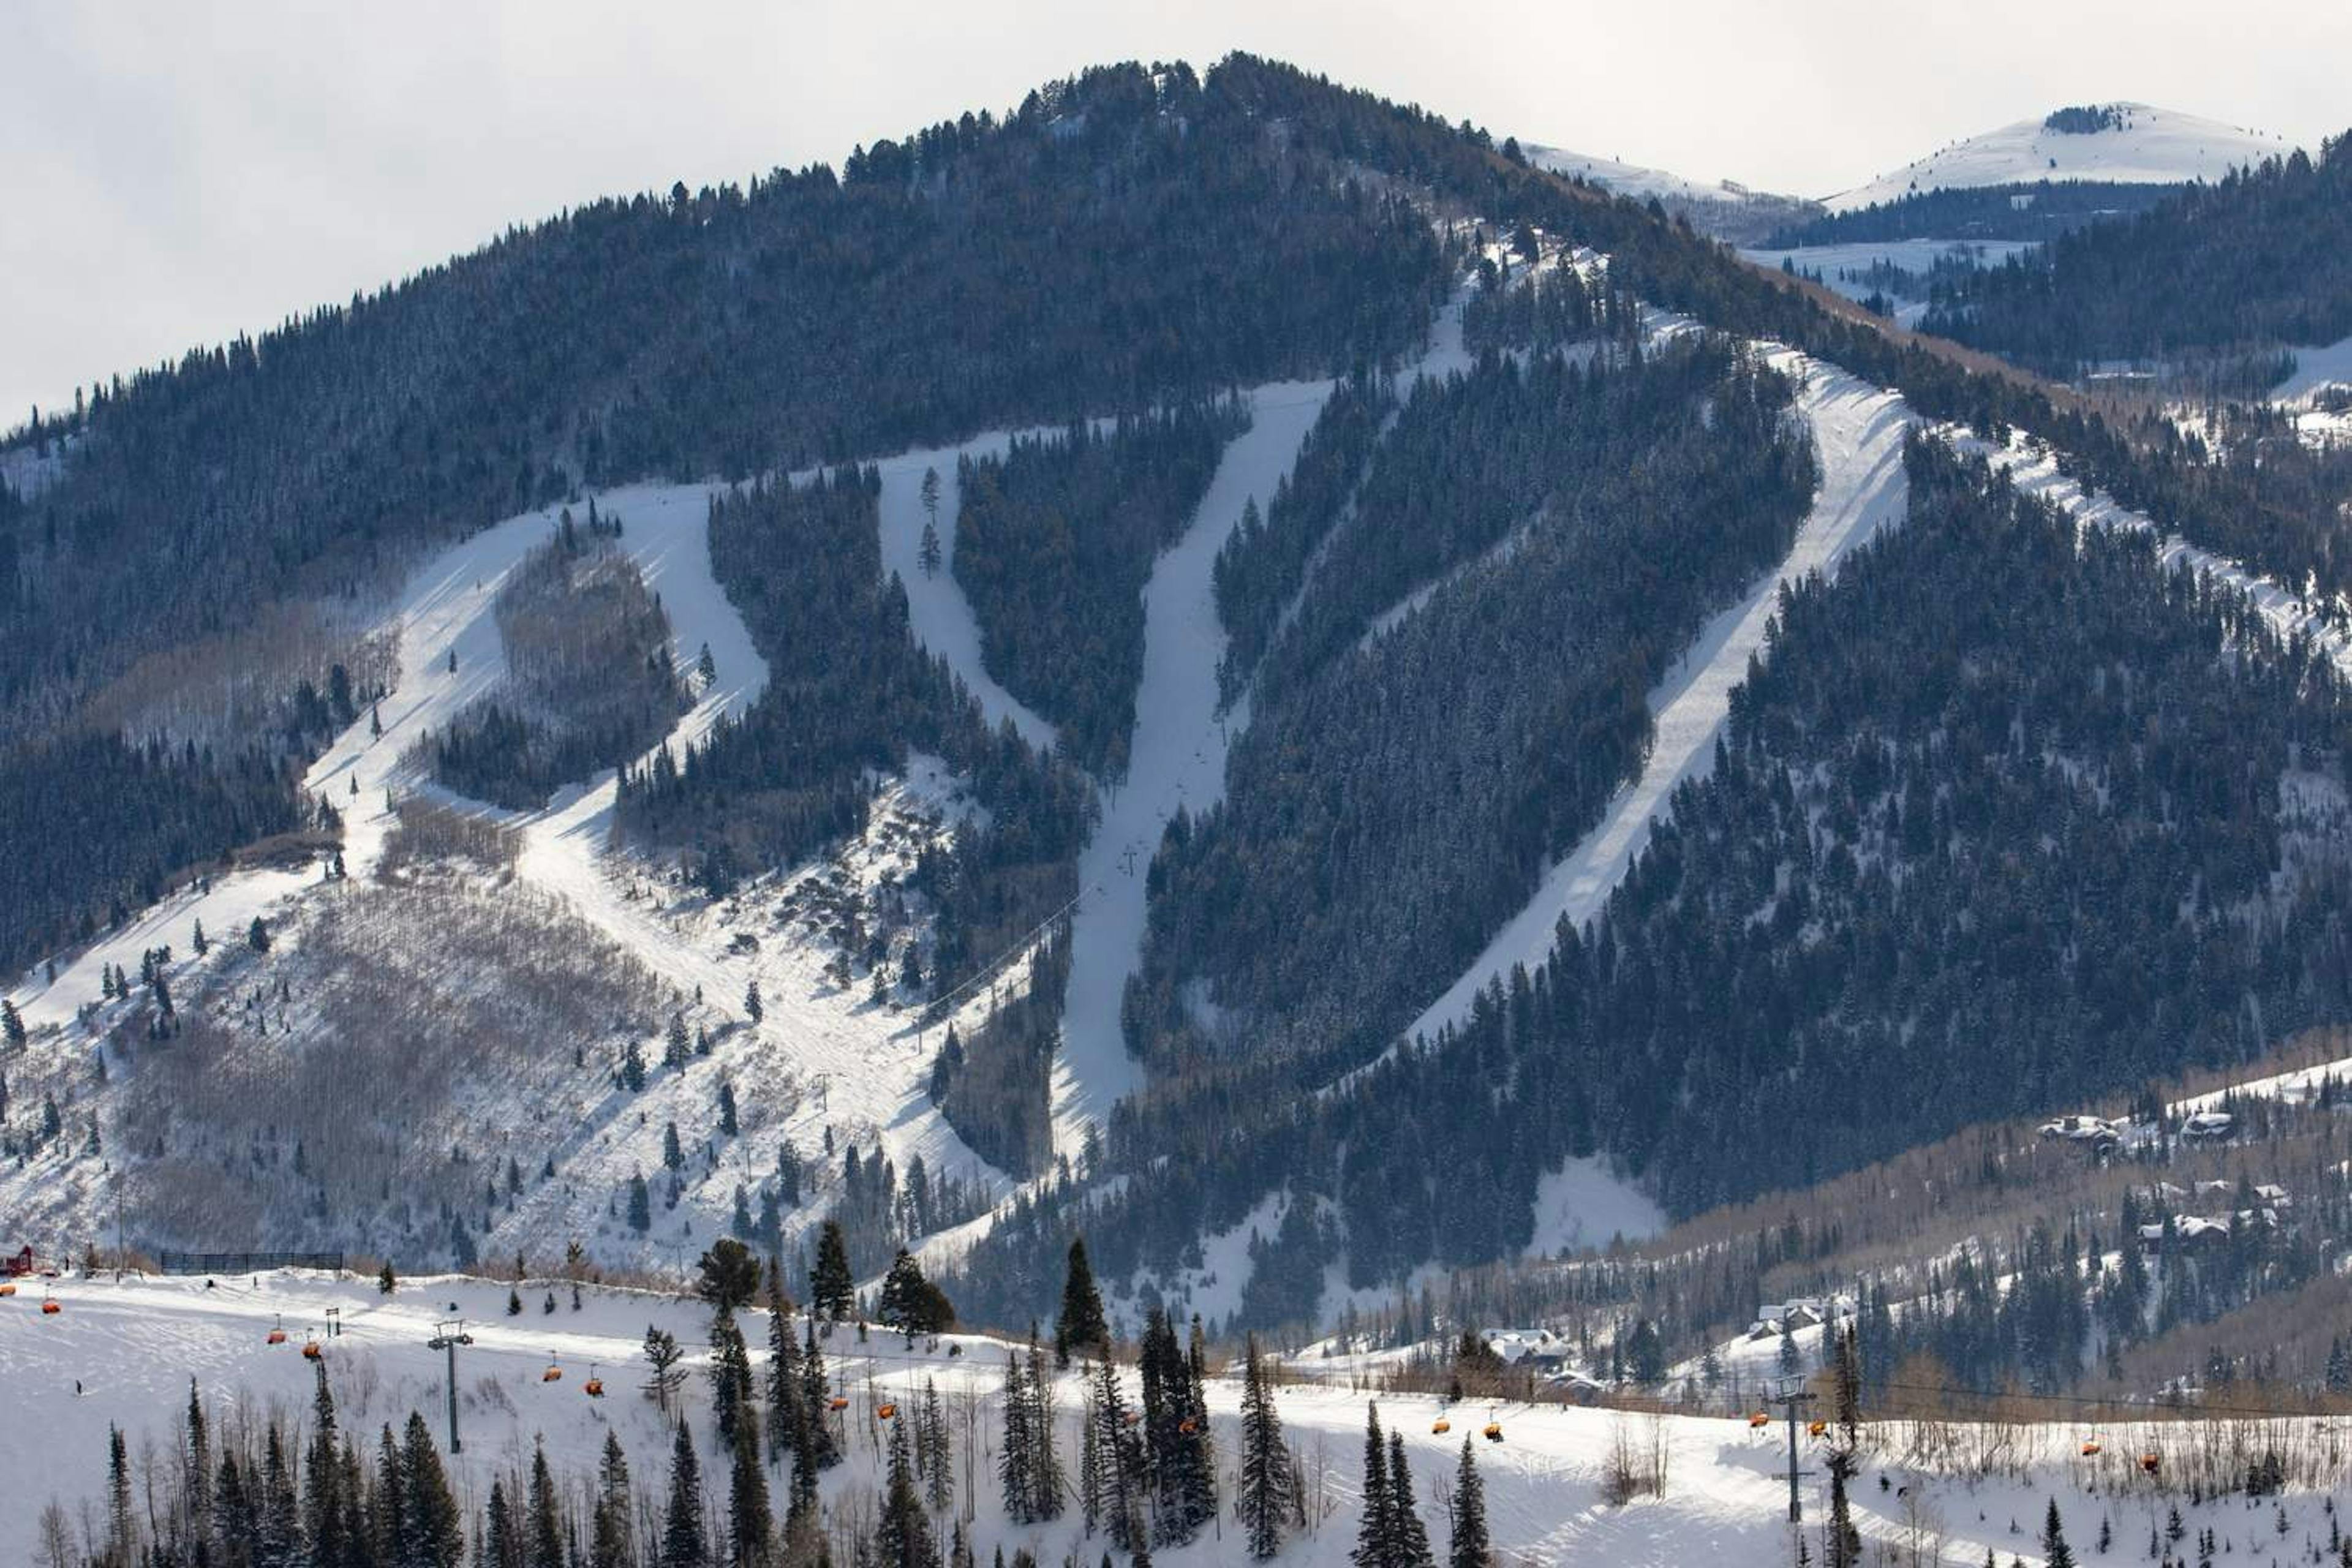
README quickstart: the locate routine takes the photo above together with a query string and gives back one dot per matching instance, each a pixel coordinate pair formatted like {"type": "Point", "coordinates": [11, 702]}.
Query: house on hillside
{"type": "Point", "coordinates": [2094, 1130]}
{"type": "Point", "coordinates": [1803, 1312]}
{"type": "Point", "coordinates": [2208, 1126]}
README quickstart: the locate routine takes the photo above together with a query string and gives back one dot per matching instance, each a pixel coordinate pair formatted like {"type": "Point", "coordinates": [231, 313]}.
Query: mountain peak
{"type": "Point", "coordinates": [2121, 141]}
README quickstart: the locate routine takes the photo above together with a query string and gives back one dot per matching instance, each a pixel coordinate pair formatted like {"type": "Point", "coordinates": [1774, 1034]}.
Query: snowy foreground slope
{"type": "Point", "coordinates": [133, 1347]}
{"type": "Point", "coordinates": [2152, 146]}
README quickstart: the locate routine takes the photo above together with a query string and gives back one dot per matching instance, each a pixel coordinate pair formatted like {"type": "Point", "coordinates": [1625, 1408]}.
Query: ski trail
{"type": "Point", "coordinates": [1858, 432]}
{"type": "Point", "coordinates": [1181, 740]}
{"type": "Point", "coordinates": [935, 607]}
{"type": "Point", "coordinates": [1178, 756]}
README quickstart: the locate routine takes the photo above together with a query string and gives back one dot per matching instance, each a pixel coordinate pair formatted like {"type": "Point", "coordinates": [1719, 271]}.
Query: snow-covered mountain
{"type": "Point", "coordinates": [1725, 207]}
{"type": "Point", "coordinates": [2128, 143]}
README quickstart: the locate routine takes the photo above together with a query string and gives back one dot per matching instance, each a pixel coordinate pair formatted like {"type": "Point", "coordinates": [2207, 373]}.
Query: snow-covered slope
{"type": "Point", "coordinates": [1632, 179]}
{"type": "Point", "coordinates": [133, 1347]}
{"type": "Point", "coordinates": [2151, 146]}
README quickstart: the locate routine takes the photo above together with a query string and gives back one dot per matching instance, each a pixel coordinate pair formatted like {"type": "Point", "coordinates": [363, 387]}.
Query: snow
{"type": "Point", "coordinates": [871, 1060]}
{"type": "Point", "coordinates": [1858, 430]}
{"type": "Point", "coordinates": [1178, 756]}
{"type": "Point", "coordinates": [2330, 364]}
{"type": "Point", "coordinates": [1584, 1204]}
{"type": "Point", "coordinates": [135, 1346]}
{"type": "Point", "coordinates": [942, 617]}
{"type": "Point", "coordinates": [2155, 146]}
{"type": "Point", "coordinates": [1844, 267]}
{"type": "Point", "coordinates": [1181, 741]}
{"type": "Point", "coordinates": [1630, 180]}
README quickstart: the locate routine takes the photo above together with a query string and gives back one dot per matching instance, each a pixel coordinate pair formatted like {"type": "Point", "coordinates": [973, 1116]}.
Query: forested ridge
{"type": "Point", "coordinates": [1391, 801]}
{"type": "Point", "coordinates": [2261, 259]}
{"type": "Point", "coordinates": [849, 691]}
{"type": "Point", "coordinates": [1054, 540]}
{"type": "Point", "coordinates": [2010, 815]}
{"type": "Point", "coordinates": [1127, 236]}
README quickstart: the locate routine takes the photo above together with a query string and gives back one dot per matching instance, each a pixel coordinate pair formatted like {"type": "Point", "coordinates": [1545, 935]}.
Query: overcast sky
{"type": "Point", "coordinates": [170, 173]}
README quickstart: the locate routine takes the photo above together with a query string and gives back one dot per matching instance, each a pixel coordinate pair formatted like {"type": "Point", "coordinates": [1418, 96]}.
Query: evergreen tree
{"type": "Point", "coordinates": [938, 1459]}
{"type": "Point", "coordinates": [728, 1275]}
{"type": "Point", "coordinates": [432, 1529]}
{"type": "Point", "coordinates": [904, 1539]}
{"type": "Point", "coordinates": [816, 1448]}
{"type": "Point", "coordinates": [833, 1289]}
{"type": "Point", "coordinates": [750, 1526]}
{"type": "Point", "coordinates": [1268, 1489]}
{"type": "Point", "coordinates": [641, 1203]}
{"type": "Point", "coordinates": [751, 1007]}
{"type": "Point", "coordinates": [684, 1544]}
{"type": "Point", "coordinates": [663, 1354]}
{"type": "Point", "coordinates": [730, 1384]}
{"type": "Point", "coordinates": [611, 1533]}
{"type": "Point", "coordinates": [1376, 1526]}
{"type": "Point", "coordinates": [633, 1068]}
{"type": "Point", "coordinates": [1045, 1464]}
{"type": "Point", "coordinates": [727, 1124]}
{"type": "Point", "coordinates": [1081, 1325]}
{"type": "Point", "coordinates": [1410, 1534]}
{"type": "Point", "coordinates": [1469, 1547]}
{"type": "Point", "coordinates": [1014, 1466]}
{"type": "Point", "coordinates": [546, 1525]}
{"type": "Point", "coordinates": [324, 1519]}
{"type": "Point", "coordinates": [783, 1413]}
{"type": "Point", "coordinates": [121, 1524]}
{"type": "Point", "coordinates": [12, 1023]}
{"type": "Point", "coordinates": [503, 1533]}
{"type": "Point", "coordinates": [2055, 1553]}
{"type": "Point", "coordinates": [910, 1303]}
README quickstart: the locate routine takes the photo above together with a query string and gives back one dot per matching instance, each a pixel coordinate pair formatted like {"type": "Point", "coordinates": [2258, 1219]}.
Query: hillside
{"type": "Point", "coordinates": [2118, 143]}
{"type": "Point", "coordinates": [1217, 665]}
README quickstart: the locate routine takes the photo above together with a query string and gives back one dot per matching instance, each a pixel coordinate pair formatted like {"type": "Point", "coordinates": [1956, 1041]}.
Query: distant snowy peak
{"type": "Point", "coordinates": [2129, 143]}
{"type": "Point", "coordinates": [1632, 179]}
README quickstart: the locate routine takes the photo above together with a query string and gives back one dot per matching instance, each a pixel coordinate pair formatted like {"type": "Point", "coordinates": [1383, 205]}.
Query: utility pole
{"type": "Point", "coordinates": [447, 1336]}
{"type": "Point", "coordinates": [1792, 1394]}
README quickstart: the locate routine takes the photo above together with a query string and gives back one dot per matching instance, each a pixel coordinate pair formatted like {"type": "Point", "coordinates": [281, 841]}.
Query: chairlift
{"type": "Point", "coordinates": [553, 1374]}
{"type": "Point", "coordinates": [836, 1403]}
{"type": "Point", "coordinates": [50, 1307]}
{"type": "Point", "coordinates": [2150, 1462]}
{"type": "Point", "coordinates": [1815, 1428]}
{"type": "Point", "coordinates": [595, 1387]}
{"type": "Point", "coordinates": [278, 1331]}
{"type": "Point", "coordinates": [2091, 1447]}
{"type": "Point", "coordinates": [312, 1349]}
{"type": "Point", "coordinates": [7, 1290]}
{"type": "Point", "coordinates": [1440, 1426]}
{"type": "Point", "coordinates": [887, 1412]}
{"type": "Point", "coordinates": [1760, 1418]}
{"type": "Point", "coordinates": [1188, 1426]}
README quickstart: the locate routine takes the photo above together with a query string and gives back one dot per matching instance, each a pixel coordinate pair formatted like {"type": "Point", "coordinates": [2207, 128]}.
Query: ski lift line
{"type": "Point", "coordinates": [2118, 1412]}
{"type": "Point", "coordinates": [938, 1006]}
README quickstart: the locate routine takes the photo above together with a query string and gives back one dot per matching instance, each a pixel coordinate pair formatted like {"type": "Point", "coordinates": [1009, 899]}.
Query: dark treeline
{"type": "Point", "coordinates": [2040, 210]}
{"type": "Point", "coordinates": [1262, 563]}
{"type": "Point", "coordinates": [94, 827]}
{"type": "Point", "coordinates": [1053, 543]}
{"type": "Point", "coordinates": [2262, 257]}
{"type": "Point", "coordinates": [590, 681]}
{"type": "Point", "coordinates": [848, 690]}
{"type": "Point", "coordinates": [1545, 309]}
{"type": "Point", "coordinates": [1391, 803]}
{"type": "Point", "coordinates": [996, 1089]}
